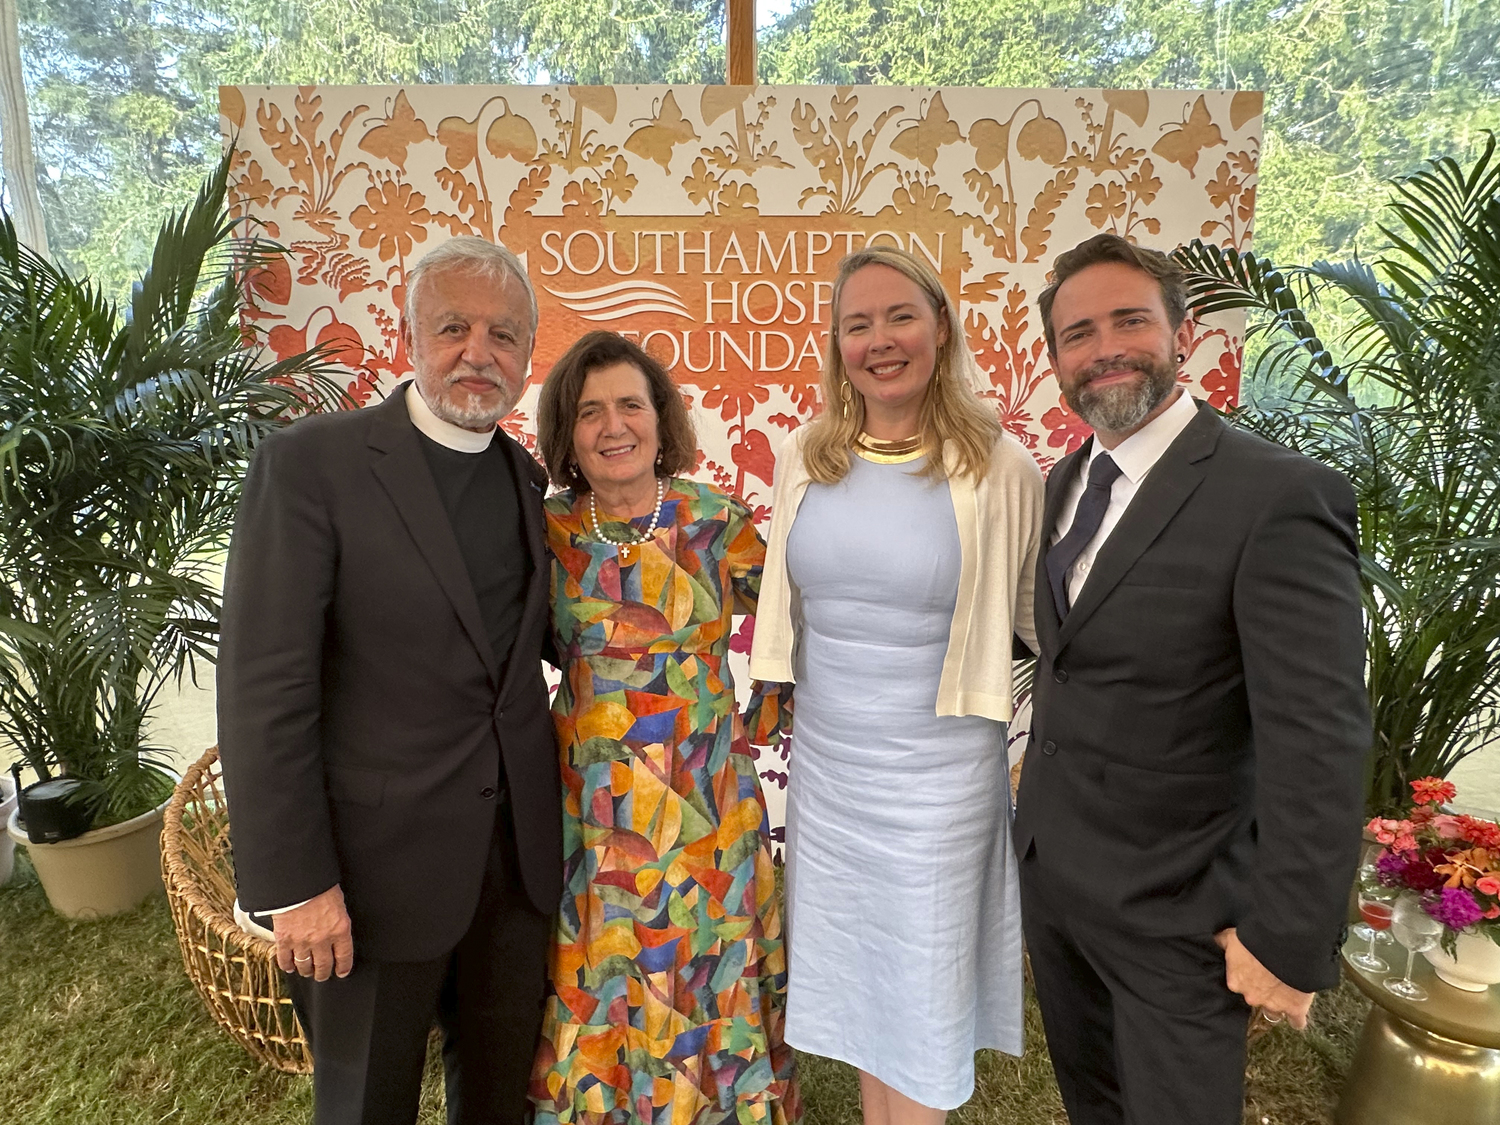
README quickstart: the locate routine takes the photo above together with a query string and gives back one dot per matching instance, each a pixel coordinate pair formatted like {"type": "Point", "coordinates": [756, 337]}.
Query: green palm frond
{"type": "Point", "coordinates": [122, 446]}
{"type": "Point", "coordinates": [1410, 413]}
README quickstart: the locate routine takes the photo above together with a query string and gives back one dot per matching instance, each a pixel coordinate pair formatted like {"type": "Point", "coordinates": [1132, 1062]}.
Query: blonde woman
{"type": "Point", "coordinates": [902, 546]}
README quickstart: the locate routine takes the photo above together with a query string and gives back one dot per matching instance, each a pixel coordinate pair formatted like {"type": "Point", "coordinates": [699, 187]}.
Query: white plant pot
{"type": "Point", "coordinates": [7, 845]}
{"type": "Point", "coordinates": [1476, 967]}
{"type": "Point", "coordinates": [105, 871]}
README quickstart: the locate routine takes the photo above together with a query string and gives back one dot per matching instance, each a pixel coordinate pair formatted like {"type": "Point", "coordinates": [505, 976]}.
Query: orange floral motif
{"type": "Point", "coordinates": [1039, 219]}
{"type": "Point", "coordinates": [732, 402]}
{"type": "Point", "coordinates": [1012, 364]}
{"type": "Point", "coordinates": [252, 188]}
{"type": "Point", "coordinates": [994, 192]}
{"type": "Point", "coordinates": [740, 199]}
{"type": "Point", "coordinates": [1232, 189]}
{"type": "Point", "coordinates": [1223, 382]}
{"type": "Point", "coordinates": [575, 147]}
{"type": "Point", "coordinates": [993, 184]}
{"type": "Point", "coordinates": [743, 150]}
{"type": "Point", "coordinates": [842, 164]}
{"type": "Point", "coordinates": [1106, 203]}
{"type": "Point", "coordinates": [272, 282]}
{"type": "Point", "coordinates": [392, 218]}
{"type": "Point", "coordinates": [915, 194]}
{"type": "Point", "coordinates": [583, 199]}
{"type": "Point", "coordinates": [616, 183]}
{"type": "Point", "coordinates": [1065, 430]}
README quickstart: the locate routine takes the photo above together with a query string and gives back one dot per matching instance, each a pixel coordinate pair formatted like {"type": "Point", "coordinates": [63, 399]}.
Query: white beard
{"type": "Point", "coordinates": [458, 407]}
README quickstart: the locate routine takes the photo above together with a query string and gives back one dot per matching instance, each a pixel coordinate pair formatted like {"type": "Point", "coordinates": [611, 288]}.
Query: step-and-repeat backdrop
{"type": "Point", "coordinates": [706, 222]}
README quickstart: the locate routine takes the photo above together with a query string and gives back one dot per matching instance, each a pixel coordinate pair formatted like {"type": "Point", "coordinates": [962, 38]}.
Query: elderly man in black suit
{"type": "Point", "coordinates": [1189, 809]}
{"type": "Point", "coordinates": [388, 754]}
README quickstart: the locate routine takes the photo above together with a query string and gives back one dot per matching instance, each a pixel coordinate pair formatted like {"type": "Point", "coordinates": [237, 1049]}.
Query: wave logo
{"type": "Point", "coordinates": [622, 299]}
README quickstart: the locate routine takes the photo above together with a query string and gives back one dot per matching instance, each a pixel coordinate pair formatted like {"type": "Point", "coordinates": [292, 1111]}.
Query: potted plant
{"type": "Point", "coordinates": [1409, 411]}
{"type": "Point", "coordinates": [1452, 863]}
{"type": "Point", "coordinates": [122, 444]}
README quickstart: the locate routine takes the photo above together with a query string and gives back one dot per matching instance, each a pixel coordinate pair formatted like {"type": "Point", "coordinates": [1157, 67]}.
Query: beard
{"type": "Point", "coordinates": [1123, 406]}
{"type": "Point", "coordinates": [459, 407]}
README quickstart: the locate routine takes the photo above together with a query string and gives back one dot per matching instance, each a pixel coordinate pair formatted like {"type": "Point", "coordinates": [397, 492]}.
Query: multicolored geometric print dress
{"type": "Point", "coordinates": [668, 968]}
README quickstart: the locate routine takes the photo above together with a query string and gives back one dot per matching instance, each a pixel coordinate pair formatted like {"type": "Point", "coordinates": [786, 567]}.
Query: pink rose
{"type": "Point", "coordinates": [1382, 830]}
{"type": "Point", "coordinates": [1447, 826]}
{"type": "Point", "coordinates": [1404, 843]}
{"type": "Point", "coordinates": [1489, 885]}
{"type": "Point", "coordinates": [1492, 913]}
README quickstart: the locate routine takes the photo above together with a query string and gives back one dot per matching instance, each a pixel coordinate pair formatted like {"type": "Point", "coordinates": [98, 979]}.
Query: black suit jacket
{"type": "Point", "coordinates": [362, 716]}
{"type": "Point", "coordinates": [1200, 717]}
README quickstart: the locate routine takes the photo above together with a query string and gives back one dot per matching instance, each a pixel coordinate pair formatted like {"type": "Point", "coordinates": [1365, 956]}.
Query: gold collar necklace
{"type": "Point", "coordinates": [888, 452]}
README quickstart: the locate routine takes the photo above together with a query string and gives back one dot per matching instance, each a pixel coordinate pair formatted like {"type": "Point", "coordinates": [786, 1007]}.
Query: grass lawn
{"type": "Point", "coordinates": [99, 1026]}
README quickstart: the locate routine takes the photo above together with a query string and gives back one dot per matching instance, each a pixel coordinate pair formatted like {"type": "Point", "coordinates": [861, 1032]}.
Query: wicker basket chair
{"type": "Point", "coordinates": [234, 972]}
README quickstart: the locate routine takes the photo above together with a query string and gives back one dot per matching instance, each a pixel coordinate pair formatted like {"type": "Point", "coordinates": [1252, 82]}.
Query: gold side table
{"type": "Point", "coordinates": [1422, 1063]}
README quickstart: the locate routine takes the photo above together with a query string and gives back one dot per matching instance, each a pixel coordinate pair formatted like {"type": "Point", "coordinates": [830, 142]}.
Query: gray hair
{"type": "Point", "coordinates": [465, 252]}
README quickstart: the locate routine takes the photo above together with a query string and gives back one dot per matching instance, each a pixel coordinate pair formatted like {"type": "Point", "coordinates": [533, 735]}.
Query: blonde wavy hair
{"type": "Point", "coordinates": [952, 415]}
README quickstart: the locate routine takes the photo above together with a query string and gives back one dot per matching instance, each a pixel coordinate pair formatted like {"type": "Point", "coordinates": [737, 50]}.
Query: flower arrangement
{"type": "Point", "coordinates": [1451, 862]}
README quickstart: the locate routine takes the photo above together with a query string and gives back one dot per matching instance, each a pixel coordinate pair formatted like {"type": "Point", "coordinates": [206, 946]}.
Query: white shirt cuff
{"type": "Point", "coordinates": [285, 909]}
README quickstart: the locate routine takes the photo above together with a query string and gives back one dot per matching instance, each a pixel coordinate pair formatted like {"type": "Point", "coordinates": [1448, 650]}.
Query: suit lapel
{"type": "Point", "coordinates": [531, 489]}
{"type": "Point", "coordinates": [401, 467]}
{"type": "Point", "coordinates": [1166, 488]}
{"type": "Point", "coordinates": [1048, 613]}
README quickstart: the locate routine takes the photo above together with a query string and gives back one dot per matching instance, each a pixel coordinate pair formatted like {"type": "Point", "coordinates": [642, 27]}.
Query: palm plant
{"type": "Point", "coordinates": [1410, 413]}
{"type": "Point", "coordinates": [122, 444]}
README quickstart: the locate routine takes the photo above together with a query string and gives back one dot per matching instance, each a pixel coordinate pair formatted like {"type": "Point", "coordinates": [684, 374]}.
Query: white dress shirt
{"type": "Point", "coordinates": [445, 434]}
{"type": "Point", "coordinates": [1135, 456]}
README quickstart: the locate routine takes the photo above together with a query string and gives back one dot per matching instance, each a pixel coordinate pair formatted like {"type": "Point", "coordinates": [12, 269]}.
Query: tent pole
{"type": "Point", "coordinates": [741, 42]}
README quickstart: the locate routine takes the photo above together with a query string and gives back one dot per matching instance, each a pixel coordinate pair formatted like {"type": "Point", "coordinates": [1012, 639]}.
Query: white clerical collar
{"type": "Point", "coordinates": [444, 433]}
{"type": "Point", "coordinates": [1143, 449]}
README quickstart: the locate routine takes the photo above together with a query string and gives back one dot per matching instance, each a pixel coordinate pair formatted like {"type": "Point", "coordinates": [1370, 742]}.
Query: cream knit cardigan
{"type": "Point", "coordinates": [999, 533]}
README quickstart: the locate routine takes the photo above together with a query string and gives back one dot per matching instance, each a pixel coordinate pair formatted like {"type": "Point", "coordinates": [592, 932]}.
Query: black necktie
{"type": "Point", "coordinates": [1091, 505]}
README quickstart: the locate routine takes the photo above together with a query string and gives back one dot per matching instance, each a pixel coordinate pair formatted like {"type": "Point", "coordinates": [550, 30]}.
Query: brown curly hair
{"type": "Point", "coordinates": [557, 411]}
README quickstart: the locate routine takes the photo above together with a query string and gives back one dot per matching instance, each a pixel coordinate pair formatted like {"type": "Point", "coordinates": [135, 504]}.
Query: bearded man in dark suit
{"type": "Point", "coordinates": [1189, 810]}
{"type": "Point", "coordinates": [388, 755]}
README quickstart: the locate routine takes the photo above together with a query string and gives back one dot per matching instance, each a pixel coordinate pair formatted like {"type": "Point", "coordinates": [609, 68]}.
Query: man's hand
{"type": "Point", "coordinates": [1259, 986]}
{"type": "Point", "coordinates": [315, 939]}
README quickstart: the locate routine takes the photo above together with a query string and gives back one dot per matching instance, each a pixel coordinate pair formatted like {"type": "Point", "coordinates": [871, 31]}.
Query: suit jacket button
{"type": "Point", "coordinates": [488, 792]}
{"type": "Point", "coordinates": [1060, 675]}
{"type": "Point", "coordinates": [1049, 748]}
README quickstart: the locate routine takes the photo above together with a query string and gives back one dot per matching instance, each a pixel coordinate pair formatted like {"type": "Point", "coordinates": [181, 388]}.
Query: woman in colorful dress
{"type": "Point", "coordinates": [904, 533]}
{"type": "Point", "coordinates": [668, 970]}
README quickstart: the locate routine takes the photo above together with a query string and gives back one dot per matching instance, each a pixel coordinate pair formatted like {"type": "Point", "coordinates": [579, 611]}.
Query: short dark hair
{"type": "Point", "coordinates": [558, 409]}
{"type": "Point", "coordinates": [1112, 248]}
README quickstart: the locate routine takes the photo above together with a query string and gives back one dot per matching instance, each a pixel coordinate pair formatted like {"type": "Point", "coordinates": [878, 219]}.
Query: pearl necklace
{"type": "Point", "coordinates": [626, 545]}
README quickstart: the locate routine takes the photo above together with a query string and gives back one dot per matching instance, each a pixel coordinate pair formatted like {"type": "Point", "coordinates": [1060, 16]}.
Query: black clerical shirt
{"type": "Point", "coordinates": [479, 494]}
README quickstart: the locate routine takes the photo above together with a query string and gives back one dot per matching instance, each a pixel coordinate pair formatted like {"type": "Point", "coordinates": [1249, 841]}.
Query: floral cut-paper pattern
{"type": "Point", "coordinates": [707, 222]}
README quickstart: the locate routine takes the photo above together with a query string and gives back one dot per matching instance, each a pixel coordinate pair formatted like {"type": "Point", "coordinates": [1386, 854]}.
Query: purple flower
{"type": "Point", "coordinates": [1456, 909]}
{"type": "Point", "coordinates": [1414, 872]}
{"type": "Point", "coordinates": [1389, 868]}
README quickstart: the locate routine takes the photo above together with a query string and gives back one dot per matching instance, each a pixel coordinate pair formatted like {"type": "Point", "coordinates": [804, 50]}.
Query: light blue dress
{"type": "Point", "coordinates": [903, 911]}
